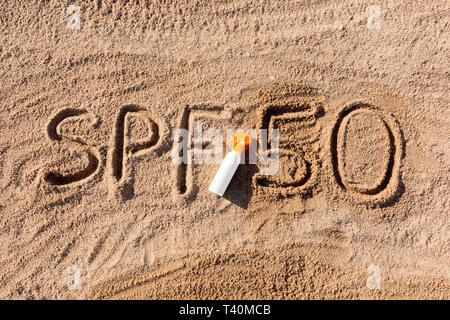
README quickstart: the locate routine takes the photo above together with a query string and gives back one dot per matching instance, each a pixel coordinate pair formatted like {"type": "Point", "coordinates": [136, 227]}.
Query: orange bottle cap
{"type": "Point", "coordinates": [241, 142]}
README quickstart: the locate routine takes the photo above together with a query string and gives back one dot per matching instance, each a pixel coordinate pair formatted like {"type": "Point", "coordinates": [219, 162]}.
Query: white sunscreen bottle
{"type": "Point", "coordinates": [229, 164]}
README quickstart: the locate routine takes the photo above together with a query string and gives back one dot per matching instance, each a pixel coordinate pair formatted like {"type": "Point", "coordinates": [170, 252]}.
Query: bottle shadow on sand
{"type": "Point", "coordinates": [240, 190]}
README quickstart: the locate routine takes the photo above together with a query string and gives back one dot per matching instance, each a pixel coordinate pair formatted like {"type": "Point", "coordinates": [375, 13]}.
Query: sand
{"type": "Point", "coordinates": [92, 205]}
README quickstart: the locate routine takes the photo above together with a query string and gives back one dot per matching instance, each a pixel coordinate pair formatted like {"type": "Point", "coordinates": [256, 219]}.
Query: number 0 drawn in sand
{"type": "Point", "coordinates": [366, 149]}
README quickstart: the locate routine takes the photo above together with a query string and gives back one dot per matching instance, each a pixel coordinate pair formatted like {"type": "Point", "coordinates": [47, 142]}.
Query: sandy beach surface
{"type": "Point", "coordinates": [93, 93]}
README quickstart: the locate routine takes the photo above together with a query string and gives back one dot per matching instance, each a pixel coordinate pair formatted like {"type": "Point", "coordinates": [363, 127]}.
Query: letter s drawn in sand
{"type": "Point", "coordinates": [56, 178]}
